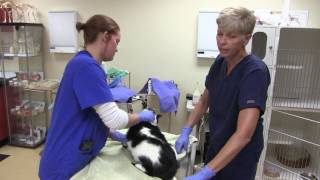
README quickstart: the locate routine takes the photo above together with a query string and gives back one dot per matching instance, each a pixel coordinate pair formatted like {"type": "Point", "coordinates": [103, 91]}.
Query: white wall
{"type": "Point", "coordinates": [158, 37]}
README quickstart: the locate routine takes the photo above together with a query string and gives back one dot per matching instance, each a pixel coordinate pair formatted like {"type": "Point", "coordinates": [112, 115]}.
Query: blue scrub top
{"type": "Point", "coordinates": [245, 87]}
{"type": "Point", "coordinates": [76, 134]}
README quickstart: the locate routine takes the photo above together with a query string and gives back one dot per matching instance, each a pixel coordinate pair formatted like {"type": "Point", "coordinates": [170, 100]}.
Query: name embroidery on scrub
{"type": "Point", "coordinates": [251, 101]}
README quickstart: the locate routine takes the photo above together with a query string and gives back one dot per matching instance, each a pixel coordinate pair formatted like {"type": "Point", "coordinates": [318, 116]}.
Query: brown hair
{"type": "Point", "coordinates": [96, 24]}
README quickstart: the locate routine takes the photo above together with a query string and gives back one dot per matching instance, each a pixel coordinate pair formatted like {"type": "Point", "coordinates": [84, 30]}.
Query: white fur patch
{"type": "Point", "coordinates": [147, 132]}
{"type": "Point", "coordinates": [145, 149]}
{"type": "Point", "coordinates": [140, 167]}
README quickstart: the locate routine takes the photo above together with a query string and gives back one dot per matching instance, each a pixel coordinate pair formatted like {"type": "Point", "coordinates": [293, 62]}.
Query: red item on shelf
{"type": "Point", "coordinates": [3, 119]}
{"type": "Point", "coordinates": [5, 15]}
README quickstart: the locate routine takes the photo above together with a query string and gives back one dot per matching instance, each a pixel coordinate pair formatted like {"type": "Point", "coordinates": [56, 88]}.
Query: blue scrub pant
{"type": "Point", "coordinates": [242, 167]}
{"type": "Point", "coordinates": [56, 177]}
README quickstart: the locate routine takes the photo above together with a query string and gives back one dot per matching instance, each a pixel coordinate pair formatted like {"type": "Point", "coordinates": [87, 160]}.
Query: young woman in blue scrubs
{"type": "Point", "coordinates": [235, 93]}
{"type": "Point", "coordinates": [84, 111]}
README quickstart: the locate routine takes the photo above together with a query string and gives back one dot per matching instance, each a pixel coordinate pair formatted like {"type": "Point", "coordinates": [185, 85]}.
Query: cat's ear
{"type": "Point", "coordinates": [159, 116]}
{"type": "Point", "coordinates": [150, 109]}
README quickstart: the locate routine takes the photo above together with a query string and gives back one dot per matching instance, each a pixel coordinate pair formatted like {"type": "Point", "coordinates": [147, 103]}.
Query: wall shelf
{"type": "Point", "coordinates": [19, 55]}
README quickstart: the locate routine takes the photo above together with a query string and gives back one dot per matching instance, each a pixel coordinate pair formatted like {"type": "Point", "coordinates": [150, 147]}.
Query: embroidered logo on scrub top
{"type": "Point", "coordinates": [251, 101]}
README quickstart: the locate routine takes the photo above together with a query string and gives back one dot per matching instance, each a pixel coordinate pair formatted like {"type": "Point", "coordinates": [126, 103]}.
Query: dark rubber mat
{"type": "Point", "coordinates": [3, 156]}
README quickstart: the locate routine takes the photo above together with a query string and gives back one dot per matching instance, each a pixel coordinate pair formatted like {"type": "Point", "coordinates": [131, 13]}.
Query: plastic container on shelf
{"type": "Point", "coordinates": [27, 92]}
{"type": "Point", "coordinates": [196, 95]}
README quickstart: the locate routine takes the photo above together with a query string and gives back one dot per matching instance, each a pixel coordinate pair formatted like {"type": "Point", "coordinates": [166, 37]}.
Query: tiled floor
{"type": "Point", "coordinates": [22, 164]}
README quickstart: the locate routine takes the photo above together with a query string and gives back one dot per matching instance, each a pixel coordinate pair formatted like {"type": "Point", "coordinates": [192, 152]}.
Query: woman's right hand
{"type": "Point", "coordinates": [183, 140]}
{"type": "Point", "coordinates": [146, 116]}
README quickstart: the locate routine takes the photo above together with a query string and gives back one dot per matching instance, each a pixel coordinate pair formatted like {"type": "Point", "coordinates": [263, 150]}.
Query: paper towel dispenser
{"type": "Point", "coordinates": [63, 35]}
{"type": "Point", "coordinates": [207, 30]}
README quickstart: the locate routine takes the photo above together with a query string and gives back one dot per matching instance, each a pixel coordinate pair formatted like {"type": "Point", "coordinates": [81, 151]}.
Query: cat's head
{"type": "Point", "coordinates": [156, 117]}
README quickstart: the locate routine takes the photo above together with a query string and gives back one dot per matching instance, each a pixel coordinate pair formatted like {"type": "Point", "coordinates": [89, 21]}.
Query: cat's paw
{"type": "Point", "coordinates": [139, 166]}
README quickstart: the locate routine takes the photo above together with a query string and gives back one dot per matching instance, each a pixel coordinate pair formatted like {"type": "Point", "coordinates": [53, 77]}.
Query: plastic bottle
{"type": "Point", "coordinates": [149, 87]}
{"type": "Point", "coordinates": [196, 95]}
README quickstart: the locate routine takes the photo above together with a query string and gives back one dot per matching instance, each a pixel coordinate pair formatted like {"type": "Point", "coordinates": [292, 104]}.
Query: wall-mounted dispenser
{"type": "Point", "coordinates": [207, 30]}
{"type": "Point", "coordinates": [62, 31]}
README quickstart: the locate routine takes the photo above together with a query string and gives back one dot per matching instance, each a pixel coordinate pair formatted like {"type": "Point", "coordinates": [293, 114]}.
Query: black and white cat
{"type": "Point", "coordinates": [151, 152]}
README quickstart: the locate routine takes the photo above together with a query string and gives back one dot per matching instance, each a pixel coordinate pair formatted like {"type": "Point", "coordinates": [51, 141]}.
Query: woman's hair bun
{"type": "Point", "coordinates": [80, 26]}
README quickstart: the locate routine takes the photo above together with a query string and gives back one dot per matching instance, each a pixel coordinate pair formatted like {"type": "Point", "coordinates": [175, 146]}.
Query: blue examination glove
{"type": "Point", "coordinates": [204, 174]}
{"type": "Point", "coordinates": [146, 116]}
{"type": "Point", "coordinates": [183, 140]}
{"type": "Point", "coordinates": [116, 81]}
{"type": "Point", "coordinates": [117, 136]}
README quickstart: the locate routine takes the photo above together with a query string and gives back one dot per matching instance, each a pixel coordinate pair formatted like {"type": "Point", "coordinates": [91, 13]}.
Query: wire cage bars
{"type": "Point", "coordinates": [293, 146]}
{"type": "Point", "coordinates": [297, 80]}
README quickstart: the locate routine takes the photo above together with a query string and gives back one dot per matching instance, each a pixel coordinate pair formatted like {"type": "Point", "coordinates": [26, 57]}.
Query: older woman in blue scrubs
{"type": "Point", "coordinates": [84, 111]}
{"type": "Point", "coordinates": [235, 93]}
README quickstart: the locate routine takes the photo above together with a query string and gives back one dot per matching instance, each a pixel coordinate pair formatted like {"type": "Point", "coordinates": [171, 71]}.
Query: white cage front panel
{"type": "Point", "coordinates": [263, 44]}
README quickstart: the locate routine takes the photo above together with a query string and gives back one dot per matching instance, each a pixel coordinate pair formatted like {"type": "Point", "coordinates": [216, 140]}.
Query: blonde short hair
{"type": "Point", "coordinates": [239, 20]}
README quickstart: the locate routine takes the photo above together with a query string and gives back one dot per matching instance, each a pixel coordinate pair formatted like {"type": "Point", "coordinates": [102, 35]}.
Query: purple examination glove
{"type": "Point", "coordinates": [183, 140]}
{"type": "Point", "coordinates": [146, 116]}
{"type": "Point", "coordinates": [117, 136]}
{"type": "Point", "coordinates": [204, 174]}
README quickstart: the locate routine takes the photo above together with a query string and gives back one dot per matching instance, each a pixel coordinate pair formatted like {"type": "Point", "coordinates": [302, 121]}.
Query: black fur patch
{"type": "Point", "coordinates": [168, 166]}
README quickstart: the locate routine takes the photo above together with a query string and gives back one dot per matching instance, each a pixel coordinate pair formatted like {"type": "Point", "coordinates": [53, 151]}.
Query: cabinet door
{"type": "Point", "coordinates": [262, 44]}
{"type": "Point", "coordinates": [22, 62]}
